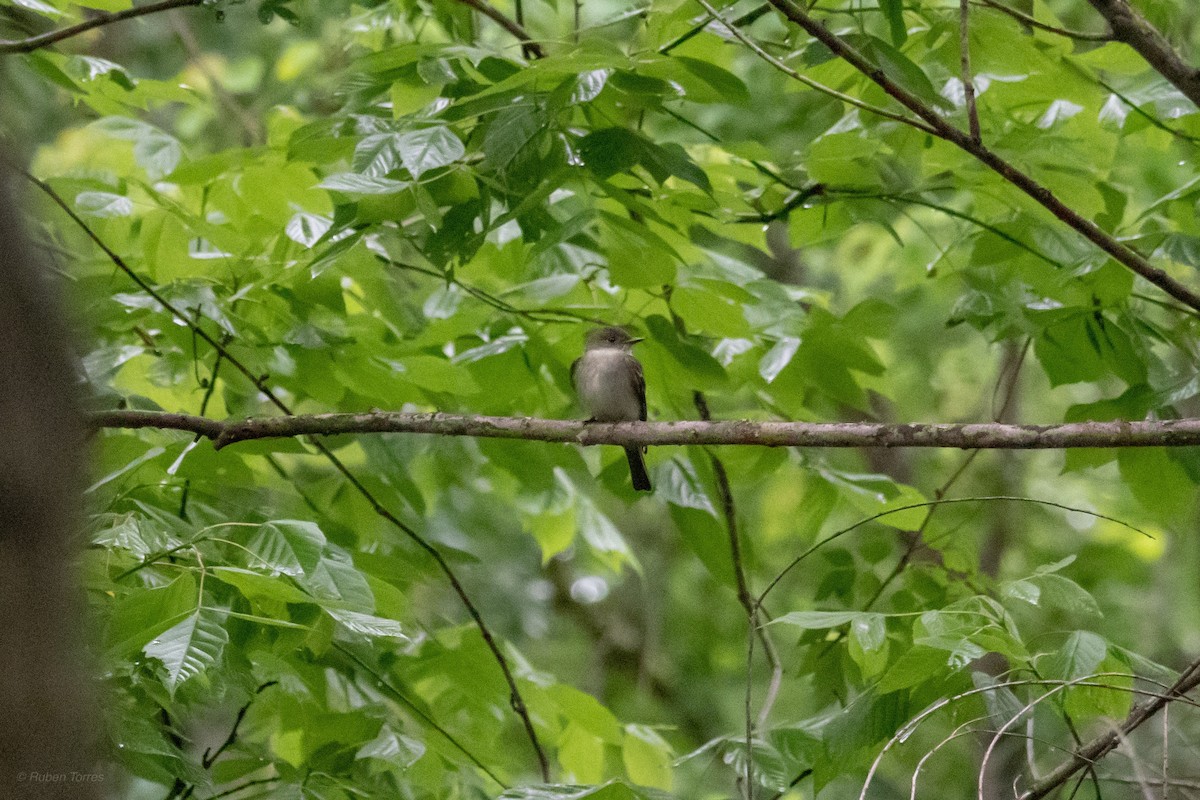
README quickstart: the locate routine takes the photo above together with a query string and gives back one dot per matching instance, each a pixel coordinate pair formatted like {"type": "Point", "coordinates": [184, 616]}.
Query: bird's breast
{"type": "Point", "coordinates": [606, 387]}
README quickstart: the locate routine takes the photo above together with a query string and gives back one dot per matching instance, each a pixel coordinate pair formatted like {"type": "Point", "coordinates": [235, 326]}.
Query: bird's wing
{"type": "Point", "coordinates": [637, 382]}
{"type": "Point", "coordinates": [574, 369]}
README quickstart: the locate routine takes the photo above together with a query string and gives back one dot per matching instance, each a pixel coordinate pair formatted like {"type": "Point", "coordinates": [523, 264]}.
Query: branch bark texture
{"type": "Point", "coordinates": [512, 26]}
{"type": "Point", "coordinates": [51, 37]}
{"type": "Point", "coordinates": [1121, 252]}
{"type": "Point", "coordinates": [1102, 745]}
{"type": "Point", "coordinates": [1133, 29]}
{"type": "Point", "coordinates": [966, 436]}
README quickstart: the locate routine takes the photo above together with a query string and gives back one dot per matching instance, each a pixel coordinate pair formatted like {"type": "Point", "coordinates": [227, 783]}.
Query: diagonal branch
{"type": "Point", "coordinates": [1082, 36]}
{"type": "Point", "coordinates": [1133, 29]}
{"type": "Point", "coordinates": [747, 600]}
{"type": "Point", "coordinates": [516, 701]}
{"type": "Point", "coordinates": [963, 436]}
{"type": "Point", "coordinates": [968, 82]}
{"type": "Point", "coordinates": [735, 31]}
{"type": "Point", "coordinates": [1106, 742]}
{"type": "Point", "coordinates": [943, 129]}
{"type": "Point", "coordinates": [45, 39]}
{"type": "Point", "coordinates": [513, 27]}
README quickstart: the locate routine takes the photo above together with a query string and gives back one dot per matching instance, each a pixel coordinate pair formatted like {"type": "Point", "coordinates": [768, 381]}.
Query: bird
{"type": "Point", "coordinates": [612, 388]}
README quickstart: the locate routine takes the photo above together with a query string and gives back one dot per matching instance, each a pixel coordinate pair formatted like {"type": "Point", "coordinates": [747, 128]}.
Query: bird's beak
{"type": "Point", "coordinates": [639, 339]}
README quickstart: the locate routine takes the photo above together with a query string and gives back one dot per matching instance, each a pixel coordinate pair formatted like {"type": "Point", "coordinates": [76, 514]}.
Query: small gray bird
{"type": "Point", "coordinates": [612, 388]}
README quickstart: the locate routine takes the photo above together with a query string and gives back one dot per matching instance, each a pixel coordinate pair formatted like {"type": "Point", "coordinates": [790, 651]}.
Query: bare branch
{"type": "Point", "coordinates": [964, 46]}
{"type": "Point", "coordinates": [735, 31]}
{"type": "Point", "coordinates": [44, 39]}
{"type": "Point", "coordinates": [1104, 743]}
{"type": "Point", "coordinates": [1130, 27]}
{"type": "Point", "coordinates": [516, 29]}
{"type": "Point", "coordinates": [1033, 23]}
{"type": "Point", "coordinates": [963, 436]}
{"type": "Point", "coordinates": [943, 129]}
{"type": "Point", "coordinates": [728, 506]}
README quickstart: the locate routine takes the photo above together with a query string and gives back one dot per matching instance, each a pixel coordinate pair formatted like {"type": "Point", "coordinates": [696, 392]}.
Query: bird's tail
{"type": "Point", "coordinates": [637, 469]}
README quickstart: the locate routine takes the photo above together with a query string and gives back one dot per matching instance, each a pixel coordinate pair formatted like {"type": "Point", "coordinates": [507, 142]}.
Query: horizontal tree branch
{"type": "Point", "coordinates": [967, 436]}
{"type": "Point", "coordinates": [50, 37]}
{"type": "Point", "coordinates": [1131, 27]}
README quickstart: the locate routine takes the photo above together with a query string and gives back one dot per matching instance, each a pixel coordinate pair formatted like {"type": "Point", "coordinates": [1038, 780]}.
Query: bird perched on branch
{"type": "Point", "coordinates": [612, 388]}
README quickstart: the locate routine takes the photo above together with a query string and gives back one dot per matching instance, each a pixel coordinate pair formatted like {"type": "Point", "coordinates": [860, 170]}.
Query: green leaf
{"type": "Point", "coordinates": [868, 644]}
{"type": "Point", "coordinates": [190, 647]}
{"type": "Point", "coordinates": [1063, 593]}
{"type": "Point", "coordinates": [338, 581]}
{"type": "Point", "coordinates": [368, 624]}
{"type": "Point", "coordinates": [510, 133]}
{"type": "Point", "coordinates": [613, 790]}
{"type": "Point", "coordinates": [581, 754]}
{"type": "Point", "coordinates": [354, 183]}
{"type": "Point", "coordinates": [256, 586]}
{"type": "Point", "coordinates": [894, 11]}
{"type": "Point", "coordinates": [915, 666]}
{"type": "Point", "coordinates": [647, 757]}
{"type": "Point", "coordinates": [637, 256]}
{"type": "Point", "coordinates": [307, 229]}
{"type": "Point", "coordinates": [603, 537]}
{"type": "Point", "coordinates": [145, 613]}
{"type": "Point", "coordinates": [156, 152]}
{"type": "Point", "coordinates": [392, 747]}
{"type": "Point", "coordinates": [778, 357]}
{"type": "Point", "coordinates": [291, 547]}
{"type": "Point", "coordinates": [611, 150]}
{"type": "Point", "coordinates": [1158, 481]}
{"type": "Point", "coordinates": [39, 7]}
{"type": "Point", "coordinates": [728, 86]}
{"type": "Point", "coordinates": [103, 204]}
{"type": "Point", "coordinates": [377, 155]}
{"type": "Point", "coordinates": [1078, 657]}
{"type": "Point", "coordinates": [820, 620]}
{"type": "Point", "coordinates": [429, 148]}
{"type": "Point", "coordinates": [1003, 706]}
{"type": "Point", "coordinates": [435, 374]}
{"type": "Point", "coordinates": [586, 711]}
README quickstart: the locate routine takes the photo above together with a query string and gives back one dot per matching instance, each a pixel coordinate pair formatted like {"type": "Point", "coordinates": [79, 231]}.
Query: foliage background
{"type": "Point", "coordinates": [389, 205]}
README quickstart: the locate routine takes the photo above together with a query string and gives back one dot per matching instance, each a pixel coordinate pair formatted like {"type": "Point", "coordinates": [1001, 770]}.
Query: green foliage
{"type": "Point", "coordinates": [389, 205]}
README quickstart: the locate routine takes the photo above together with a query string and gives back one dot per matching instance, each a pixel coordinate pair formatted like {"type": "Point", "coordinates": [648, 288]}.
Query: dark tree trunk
{"type": "Point", "coordinates": [48, 727]}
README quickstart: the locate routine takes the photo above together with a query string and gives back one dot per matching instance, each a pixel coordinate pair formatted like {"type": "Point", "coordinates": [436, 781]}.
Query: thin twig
{"type": "Point", "coordinates": [745, 19]}
{"type": "Point", "coordinates": [528, 45]}
{"type": "Point", "coordinates": [945, 501]}
{"type": "Point", "coordinates": [968, 82]}
{"type": "Point", "coordinates": [516, 700]}
{"type": "Point", "coordinates": [943, 129]}
{"type": "Point", "coordinates": [1104, 743]}
{"type": "Point", "coordinates": [1033, 23]}
{"type": "Point", "coordinates": [807, 81]}
{"type": "Point", "coordinates": [210, 757]}
{"type": "Point", "coordinates": [381, 683]}
{"type": "Point", "coordinates": [252, 129]}
{"type": "Point", "coordinates": [745, 597]}
{"type": "Point", "coordinates": [42, 40]}
{"type": "Point", "coordinates": [1150, 118]}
